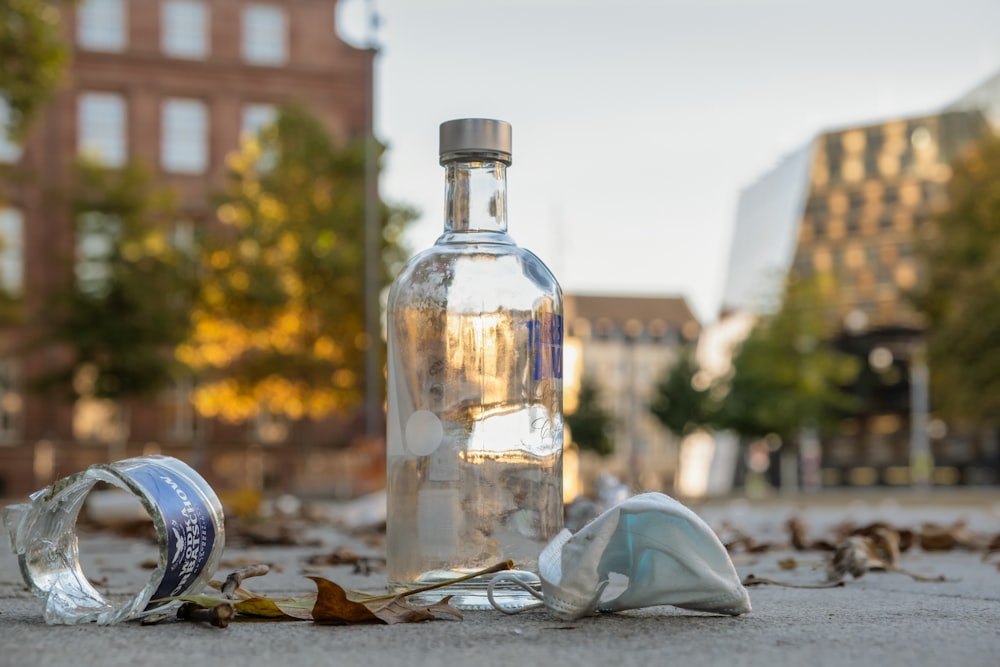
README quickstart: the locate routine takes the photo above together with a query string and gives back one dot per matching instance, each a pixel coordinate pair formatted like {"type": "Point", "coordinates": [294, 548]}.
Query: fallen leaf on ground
{"type": "Point", "coordinates": [859, 554]}
{"type": "Point", "coordinates": [935, 537]}
{"type": "Point", "coordinates": [347, 556]}
{"type": "Point", "coordinates": [335, 607]}
{"type": "Point", "coordinates": [797, 533]}
{"type": "Point", "coordinates": [330, 605]}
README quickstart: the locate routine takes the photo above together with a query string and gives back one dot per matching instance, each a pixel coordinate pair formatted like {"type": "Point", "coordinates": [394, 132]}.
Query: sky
{"type": "Point", "coordinates": [637, 123]}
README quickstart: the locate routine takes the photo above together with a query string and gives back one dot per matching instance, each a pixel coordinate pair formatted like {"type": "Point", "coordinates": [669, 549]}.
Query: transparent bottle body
{"type": "Point", "coordinates": [475, 414]}
{"type": "Point", "coordinates": [185, 512]}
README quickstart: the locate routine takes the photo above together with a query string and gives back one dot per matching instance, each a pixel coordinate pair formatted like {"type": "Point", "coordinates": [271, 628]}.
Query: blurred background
{"type": "Point", "coordinates": [775, 223]}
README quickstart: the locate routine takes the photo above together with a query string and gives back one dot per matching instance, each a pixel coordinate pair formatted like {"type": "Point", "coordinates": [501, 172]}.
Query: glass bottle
{"type": "Point", "coordinates": [475, 421]}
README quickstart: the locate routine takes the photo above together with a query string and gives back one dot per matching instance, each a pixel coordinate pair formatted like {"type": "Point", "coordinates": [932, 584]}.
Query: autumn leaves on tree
{"type": "Point", "coordinates": [278, 322]}
{"type": "Point", "coordinates": [263, 311]}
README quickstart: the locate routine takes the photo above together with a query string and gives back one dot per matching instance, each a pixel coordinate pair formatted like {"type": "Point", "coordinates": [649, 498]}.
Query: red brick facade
{"type": "Point", "coordinates": [330, 77]}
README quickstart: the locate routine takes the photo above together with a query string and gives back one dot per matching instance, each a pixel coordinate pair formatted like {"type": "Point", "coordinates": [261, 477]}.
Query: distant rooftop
{"type": "Point", "coordinates": [670, 312]}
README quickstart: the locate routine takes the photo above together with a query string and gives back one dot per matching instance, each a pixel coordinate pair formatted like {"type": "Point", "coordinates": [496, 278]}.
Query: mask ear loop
{"type": "Point", "coordinates": [508, 578]}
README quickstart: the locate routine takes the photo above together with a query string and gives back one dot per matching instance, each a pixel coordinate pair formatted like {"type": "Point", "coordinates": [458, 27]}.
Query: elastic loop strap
{"type": "Point", "coordinates": [508, 578]}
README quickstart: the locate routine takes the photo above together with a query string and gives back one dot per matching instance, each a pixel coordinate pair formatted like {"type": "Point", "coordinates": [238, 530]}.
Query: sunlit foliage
{"type": "Point", "coordinates": [278, 325]}
{"type": "Point", "coordinates": [961, 293]}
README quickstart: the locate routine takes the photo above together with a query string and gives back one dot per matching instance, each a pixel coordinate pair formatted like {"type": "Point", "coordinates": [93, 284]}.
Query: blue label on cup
{"type": "Point", "coordinates": [190, 529]}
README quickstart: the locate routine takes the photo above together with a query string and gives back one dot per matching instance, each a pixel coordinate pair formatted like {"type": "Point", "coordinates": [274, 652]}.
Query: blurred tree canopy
{"type": "Point", "coordinates": [278, 323]}
{"type": "Point", "coordinates": [128, 304]}
{"type": "Point", "coordinates": [590, 424]}
{"type": "Point", "coordinates": [960, 295]}
{"type": "Point", "coordinates": [785, 376]}
{"type": "Point", "coordinates": [32, 57]}
{"type": "Point", "coordinates": [680, 403]}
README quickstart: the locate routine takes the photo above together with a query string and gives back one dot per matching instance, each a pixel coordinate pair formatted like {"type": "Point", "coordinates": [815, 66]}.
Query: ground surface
{"type": "Point", "coordinates": [881, 619]}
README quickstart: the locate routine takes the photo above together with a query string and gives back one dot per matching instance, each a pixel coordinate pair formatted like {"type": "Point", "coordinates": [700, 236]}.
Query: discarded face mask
{"type": "Point", "coordinates": [667, 553]}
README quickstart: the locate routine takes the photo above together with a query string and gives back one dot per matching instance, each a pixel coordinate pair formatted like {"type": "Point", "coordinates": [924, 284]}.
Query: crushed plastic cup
{"type": "Point", "coordinates": [190, 531]}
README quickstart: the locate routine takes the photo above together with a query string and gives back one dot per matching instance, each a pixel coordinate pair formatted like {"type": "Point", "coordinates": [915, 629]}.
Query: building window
{"type": "Point", "coordinates": [185, 28]}
{"type": "Point", "coordinates": [101, 131]}
{"type": "Point", "coordinates": [96, 236]}
{"type": "Point", "coordinates": [256, 117]}
{"type": "Point", "coordinates": [102, 420]}
{"type": "Point", "coordinates": [10, 150]}
{"type": "Point", "coordinates": [269, 428]}
{"type": "Point", "coordinates": [11, 251]}
{"type": "Point", "coordinates": [265, 30]}
{"type": "Point", "coordinates": [184, 147]}
{"type": "Point", "coordinates": [11, 402]}
{"type": "Point", "coordinates": [181, 419]}
{"type": "Point", "coordinates": [101, 25]}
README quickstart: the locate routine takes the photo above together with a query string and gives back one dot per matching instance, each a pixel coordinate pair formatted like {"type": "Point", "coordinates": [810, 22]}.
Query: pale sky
{"type": "Point", "coordinates": [638, 122]}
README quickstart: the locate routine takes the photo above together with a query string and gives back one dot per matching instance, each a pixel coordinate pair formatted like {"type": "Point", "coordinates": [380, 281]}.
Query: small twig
{"type": "Point", "coordinates": [915, 576]}
{"type": "Point", "coordinates": [754, 580]}
{"type": "Point", "coordinates": [234, 580]}
{"type": "Point", "coordinates": [219, 616]}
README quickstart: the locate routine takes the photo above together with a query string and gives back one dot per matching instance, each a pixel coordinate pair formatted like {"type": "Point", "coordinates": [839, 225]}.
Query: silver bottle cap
{"type": "Point", "coordinates": [475, 138]}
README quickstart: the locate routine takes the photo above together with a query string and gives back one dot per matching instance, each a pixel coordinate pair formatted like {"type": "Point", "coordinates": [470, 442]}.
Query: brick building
{"type": "Point", "coordinates": [625, 344]}
{"type": "Point", "coordinates": [170, 84]}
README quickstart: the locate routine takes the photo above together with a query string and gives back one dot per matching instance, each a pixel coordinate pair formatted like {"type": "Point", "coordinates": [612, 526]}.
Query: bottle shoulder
{"type": "Point", "coordinates": [445, 271]}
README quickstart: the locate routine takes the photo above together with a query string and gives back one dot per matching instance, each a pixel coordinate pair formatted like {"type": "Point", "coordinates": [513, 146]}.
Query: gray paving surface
{"type": "Point", "coordinates": [881, 619]}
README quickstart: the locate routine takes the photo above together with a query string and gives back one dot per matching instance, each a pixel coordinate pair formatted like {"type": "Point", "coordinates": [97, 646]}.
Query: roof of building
{"type": "Point", "coordinates": [673, 311]}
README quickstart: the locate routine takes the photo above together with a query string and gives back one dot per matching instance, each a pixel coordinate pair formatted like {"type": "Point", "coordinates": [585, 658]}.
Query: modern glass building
{"type": "Point", "coordinates": [849, 209]}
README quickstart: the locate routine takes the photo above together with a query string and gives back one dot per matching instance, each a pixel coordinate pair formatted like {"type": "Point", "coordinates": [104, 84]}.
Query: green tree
{"type": "Point", "coordinates": [33, 55]}
{"type": "Point", "coordinates": [680, 403]}
{"type": "Point", "coordinates": [785, 376]}
{"type": "Point", "coordinates": [278, 325]}
{"type": "Point", "coordinates": [128, 305]}
{"type": "Point", "coordinates": [590, 424]}
{"type": "Point", "coordinates": [960, 292]}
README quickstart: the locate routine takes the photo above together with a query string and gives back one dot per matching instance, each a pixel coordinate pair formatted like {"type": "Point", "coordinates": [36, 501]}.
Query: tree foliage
{"type": "Point", "coordinates": [127, 306]}
{"type": "Point", "coordinates": [33, 55]}
{"type": "Point", "coordinates": [680, 403]}
{"type": "Point", "coordinates": [590, 424]}
{"type": "Point", "coordinates": [960, 294]}
{"type": "Point", "coordinates": [785, 376]}
{"type": "Point", "coordinates": [278, 325]}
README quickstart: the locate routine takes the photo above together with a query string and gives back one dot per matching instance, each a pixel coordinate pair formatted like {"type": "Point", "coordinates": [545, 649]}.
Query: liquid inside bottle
{"type": "Point", "coordinates": [475, 395]}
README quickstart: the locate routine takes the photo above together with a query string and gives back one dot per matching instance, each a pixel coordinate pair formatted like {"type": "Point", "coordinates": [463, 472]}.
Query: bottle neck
{"type": "Point", "coordinates": [475, 196]}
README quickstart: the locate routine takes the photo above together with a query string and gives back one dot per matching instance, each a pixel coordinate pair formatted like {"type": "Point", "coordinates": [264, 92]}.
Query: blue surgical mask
{"type": "Point", "coordinates": [663, 550]}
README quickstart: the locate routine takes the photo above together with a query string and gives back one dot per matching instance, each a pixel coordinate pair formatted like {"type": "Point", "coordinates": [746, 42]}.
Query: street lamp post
{"type": "Point", "coordinates": [373, 402]}
{"type": "Point", "coordinates": [921, 461]}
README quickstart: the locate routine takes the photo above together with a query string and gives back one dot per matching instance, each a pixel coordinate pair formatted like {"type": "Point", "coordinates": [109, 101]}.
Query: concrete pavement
{"type": "Point", "coordinates": [881, 619]}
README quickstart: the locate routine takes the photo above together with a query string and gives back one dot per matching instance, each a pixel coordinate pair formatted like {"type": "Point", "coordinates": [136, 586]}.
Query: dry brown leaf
{"type": "Point", "coordinates": [798, 536]}
{"type": "Point", "coordinates": [335, 607]}
{"type": "Point", "coordinates": [331, 604]}
{"type": "Point", "coordinates": [904, 536]}
{"type": "Point", "coordinates": [854, 556]}
{"type": "Point", "coordinates": [885, 546]}
{"type": "Point", "coordinates": [859, 554]}
{"type": "Point", "coordinates": [935, 537]}
{"type": "Point", "coordinates": [397, 610]}
{"type": "Point", "coordinates": [347, 556]}
{"type": "Point", "coordinates": [788, 563]}
{"type": "Point", "coordinates": [797, 532]}
{"type": "Point", "coordinates": [285, 608]}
